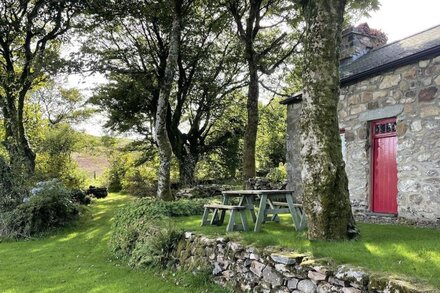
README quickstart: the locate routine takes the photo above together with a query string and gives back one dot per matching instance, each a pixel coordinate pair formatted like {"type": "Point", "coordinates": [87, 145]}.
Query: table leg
{"type": "Point", "coordinates": [295, 216]}
{"type": "Point", "coordinates": [223, 213]}
{"type": "Point", "coordinates": [275, 218]}
{"type": "Point", "coordinates": [250, 206]}
{"type": "Point", "coordinates": [260, 216]}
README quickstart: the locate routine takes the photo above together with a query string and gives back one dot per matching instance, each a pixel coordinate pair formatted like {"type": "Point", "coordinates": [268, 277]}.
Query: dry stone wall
{"type": "Point", "coordinates": [412, 94]}
{"type": "Point", "coordinates": [247, 269]}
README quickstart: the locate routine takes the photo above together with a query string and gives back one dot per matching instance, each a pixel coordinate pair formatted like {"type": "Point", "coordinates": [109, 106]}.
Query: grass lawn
{"type": "Point", "coordinates": [408, 252]}
{"type": "Point", "coordinates": [75, 259]}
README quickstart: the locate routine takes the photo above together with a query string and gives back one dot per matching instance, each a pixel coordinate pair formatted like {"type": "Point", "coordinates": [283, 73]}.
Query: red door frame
{"type": "Point", "coordinates": [374, 135]}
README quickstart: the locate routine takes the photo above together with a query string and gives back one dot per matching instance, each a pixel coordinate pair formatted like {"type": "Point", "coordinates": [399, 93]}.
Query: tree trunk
{"type": "Point", "coordinates": [187, 168]}
{"type": "Point", "coordinates": [21, 156]}
{"type": "Point", "coordinates": [12, 189]}
{"type": "Point", "coordinates": [326, 196]}
{"type": "Point", "coordinates": [163, 141]}
{"type": "Point", "coordinates": [250, 136]}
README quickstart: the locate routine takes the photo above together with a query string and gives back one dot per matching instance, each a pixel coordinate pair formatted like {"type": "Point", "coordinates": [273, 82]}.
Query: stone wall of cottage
{"type": "Point", "coordinates": [248, 269]}
{"type": "Point", "coordinates": [293, 165]}
{"type": "Point", "coordinates": [412, 94]}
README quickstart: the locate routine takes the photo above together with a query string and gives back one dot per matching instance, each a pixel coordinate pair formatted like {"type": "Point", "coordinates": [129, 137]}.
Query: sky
{"type": "Point", "coordinates": [397, 18]}
{"type": "Point", "coordinates": [403, 18]}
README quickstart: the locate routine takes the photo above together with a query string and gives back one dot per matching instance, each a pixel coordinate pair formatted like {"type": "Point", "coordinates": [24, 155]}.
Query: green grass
{"type": "Point", "coordinates": [401, 251]}
{"type": "Point", "coordinates": [76, 259]}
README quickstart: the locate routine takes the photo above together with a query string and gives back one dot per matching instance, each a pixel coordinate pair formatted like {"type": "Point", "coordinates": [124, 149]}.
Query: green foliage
{"type": "Point", "coordinates": [78, 196]}
{"type": "Point", "coordinates": [277, 174]}
{"type": "Point", "coordinates": [12, 187]}
{"type": "Point", "coordinates": [60, 105]}
{"type": "Point", "coordinates": [155, 245]}
{"type": "Point", "coordinates": [271, 139]}
{"type": "Point", "coordinates": [115, 174]}
{"type": "Point", "coordinates": [140, 181]}
{"type": "Point", "coordinates": [54, 156]}
{"type": "Point", "coordinates": [141, 233]}
{"type": "Point", "coordinates": [225, 161]}
{"type": "Point", "coordinates": [126, 175]}
{"type": "Point", "coordinates": [50, 206]}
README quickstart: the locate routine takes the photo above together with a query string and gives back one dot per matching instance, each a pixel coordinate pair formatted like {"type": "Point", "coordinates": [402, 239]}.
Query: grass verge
{"type": "Point", "coordinates": [401, 251]}
{"type": "Point", "coordinates": [76, 259]}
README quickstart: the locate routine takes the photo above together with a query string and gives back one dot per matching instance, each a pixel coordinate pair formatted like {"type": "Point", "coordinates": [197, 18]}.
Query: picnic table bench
{"type": "Point", "coordinates": [216, 220]}
{"type": "Point", "coordinates": [268, 205]}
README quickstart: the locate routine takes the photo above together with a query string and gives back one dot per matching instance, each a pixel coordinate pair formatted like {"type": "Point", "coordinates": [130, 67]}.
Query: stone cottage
{"type": "Point", "coordinates": [389, 117]}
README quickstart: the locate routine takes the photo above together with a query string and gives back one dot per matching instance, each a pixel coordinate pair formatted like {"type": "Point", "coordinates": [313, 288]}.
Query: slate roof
{"type": "Point", "coordinates": [392, 55]}
{"type": "Point", "coordinates": [399, 53]}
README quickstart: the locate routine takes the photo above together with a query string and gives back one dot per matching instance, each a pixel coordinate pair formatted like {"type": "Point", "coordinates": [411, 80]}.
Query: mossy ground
{"type": "Point", "coordinates": [401, 251]}
{"type": "Point", "coordinates": [76, 259]}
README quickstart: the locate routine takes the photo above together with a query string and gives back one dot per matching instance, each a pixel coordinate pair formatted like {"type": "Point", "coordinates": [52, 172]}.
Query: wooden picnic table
{"type": "Point", "coordinates": [269, 204]}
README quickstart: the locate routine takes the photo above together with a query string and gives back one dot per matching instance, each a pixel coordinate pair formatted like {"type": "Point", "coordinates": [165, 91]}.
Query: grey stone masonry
{"type": "Point", "coordinates": [412, 94]}
{"type": "Point", "coordinates": [247, 269]}
{"type": "Point", "coordinates": [293, 165]}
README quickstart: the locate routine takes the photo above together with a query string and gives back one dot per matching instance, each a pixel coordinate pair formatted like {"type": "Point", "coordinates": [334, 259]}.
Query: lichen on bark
{"type": "Point", "coordinates": [162, 139]}
{"type": "Point", "coordinates": [326, 196]}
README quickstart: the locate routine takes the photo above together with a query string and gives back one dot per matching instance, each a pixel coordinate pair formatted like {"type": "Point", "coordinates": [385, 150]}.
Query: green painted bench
{"type": "Point", "coordinates": [218, 220]}
{"type": "Point", "coordinates": [299, 217]}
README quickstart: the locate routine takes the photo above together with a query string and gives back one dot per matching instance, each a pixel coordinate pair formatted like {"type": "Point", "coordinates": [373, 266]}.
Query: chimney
{"type": "Point", "coordinates": [359, 40]}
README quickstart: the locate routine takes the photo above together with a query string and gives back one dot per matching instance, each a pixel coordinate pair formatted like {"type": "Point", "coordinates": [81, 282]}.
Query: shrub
{"type": "Point", "coordinates": [142, 235]}
{"type": "Point", "coordinates": [155, 245]}
{"type": "Point", "coordinates": [277, 174]}
{"type": "Point", "coordinates": [139, 182]}
{"type": "Point", "coordinates": [78, 196]}
{"type": "Point", "coordinates": [54, 156]}
{"type": "Point", "coordinates": [50, 206]}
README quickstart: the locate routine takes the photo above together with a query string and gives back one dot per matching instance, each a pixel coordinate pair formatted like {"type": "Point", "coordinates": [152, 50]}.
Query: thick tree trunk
{"type": "Point", "coordinates": [326, 197]}
{"type": "Point", "coordinates": [250, 136]}
{"type": "Point", "coordinates": [163, 141]}
{"type": "Point", "coordinates": [187, 168]}
{"type": "Point", "coordinates": [12, 189]}
{"type": "Point", "coordinates": [21, 156]}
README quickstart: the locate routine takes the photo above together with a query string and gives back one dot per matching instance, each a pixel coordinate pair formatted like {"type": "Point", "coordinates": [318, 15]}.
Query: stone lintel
{"type": "Point", "coordinates": [385, 112]}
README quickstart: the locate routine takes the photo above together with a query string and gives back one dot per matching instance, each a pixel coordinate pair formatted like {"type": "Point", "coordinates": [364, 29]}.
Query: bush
{"type": "Point", "coordinates": [277, 174]}
{"type": "Point", "coordinates": [54, 158]}
{"type": "Point", "coordinates": [142, 235]}
{"type": "Point", "coordinates": [155, 245]}
{"type": "Point", "coordinates": [78, 196]}
{"type": "Point", "coordinates": [139, 182]}
{"type": "Point", "coordinates": [49, 207]}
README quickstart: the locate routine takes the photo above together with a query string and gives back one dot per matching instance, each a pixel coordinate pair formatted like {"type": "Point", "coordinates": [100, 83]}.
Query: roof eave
{"type": "Point", "coordinates": [390, 65]}
{"type": "Point", "coordinates": [434, 51]}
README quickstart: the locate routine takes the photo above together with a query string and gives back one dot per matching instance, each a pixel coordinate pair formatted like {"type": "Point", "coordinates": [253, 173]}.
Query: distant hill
{"type": "Point", "coordinates": [93, 153]}
{"type": "Point", "coordinates": [92, 165]}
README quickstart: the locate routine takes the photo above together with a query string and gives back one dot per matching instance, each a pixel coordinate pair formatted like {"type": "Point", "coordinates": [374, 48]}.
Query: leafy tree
{"type": "Point", "coordinates": [135, 54]}
{"type": "Point", "coordinates": [271, 139]}
{"type": "Point", "coordinates": [266, 45]}
{"type": "Point", "coordinates": [326, 197]}
{"type": "Point", "coordinates": [224, 161]}
{"type": "Point", "coordinates": [61, 105]}
{"type": "Point", "coordinates": [29, 39]}
{"type": "Point", "coordinates": [54, 155]}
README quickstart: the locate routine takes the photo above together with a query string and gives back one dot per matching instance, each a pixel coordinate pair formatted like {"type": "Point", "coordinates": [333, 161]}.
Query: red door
{"type": "Point", "coordinates": [384, 141]}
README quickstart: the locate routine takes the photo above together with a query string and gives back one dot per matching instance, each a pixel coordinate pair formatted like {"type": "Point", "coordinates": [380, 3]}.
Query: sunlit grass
{"type": "Point", "coordinates": [76, 259]}
{"type": "Point", "coordinates": [407, 252]}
